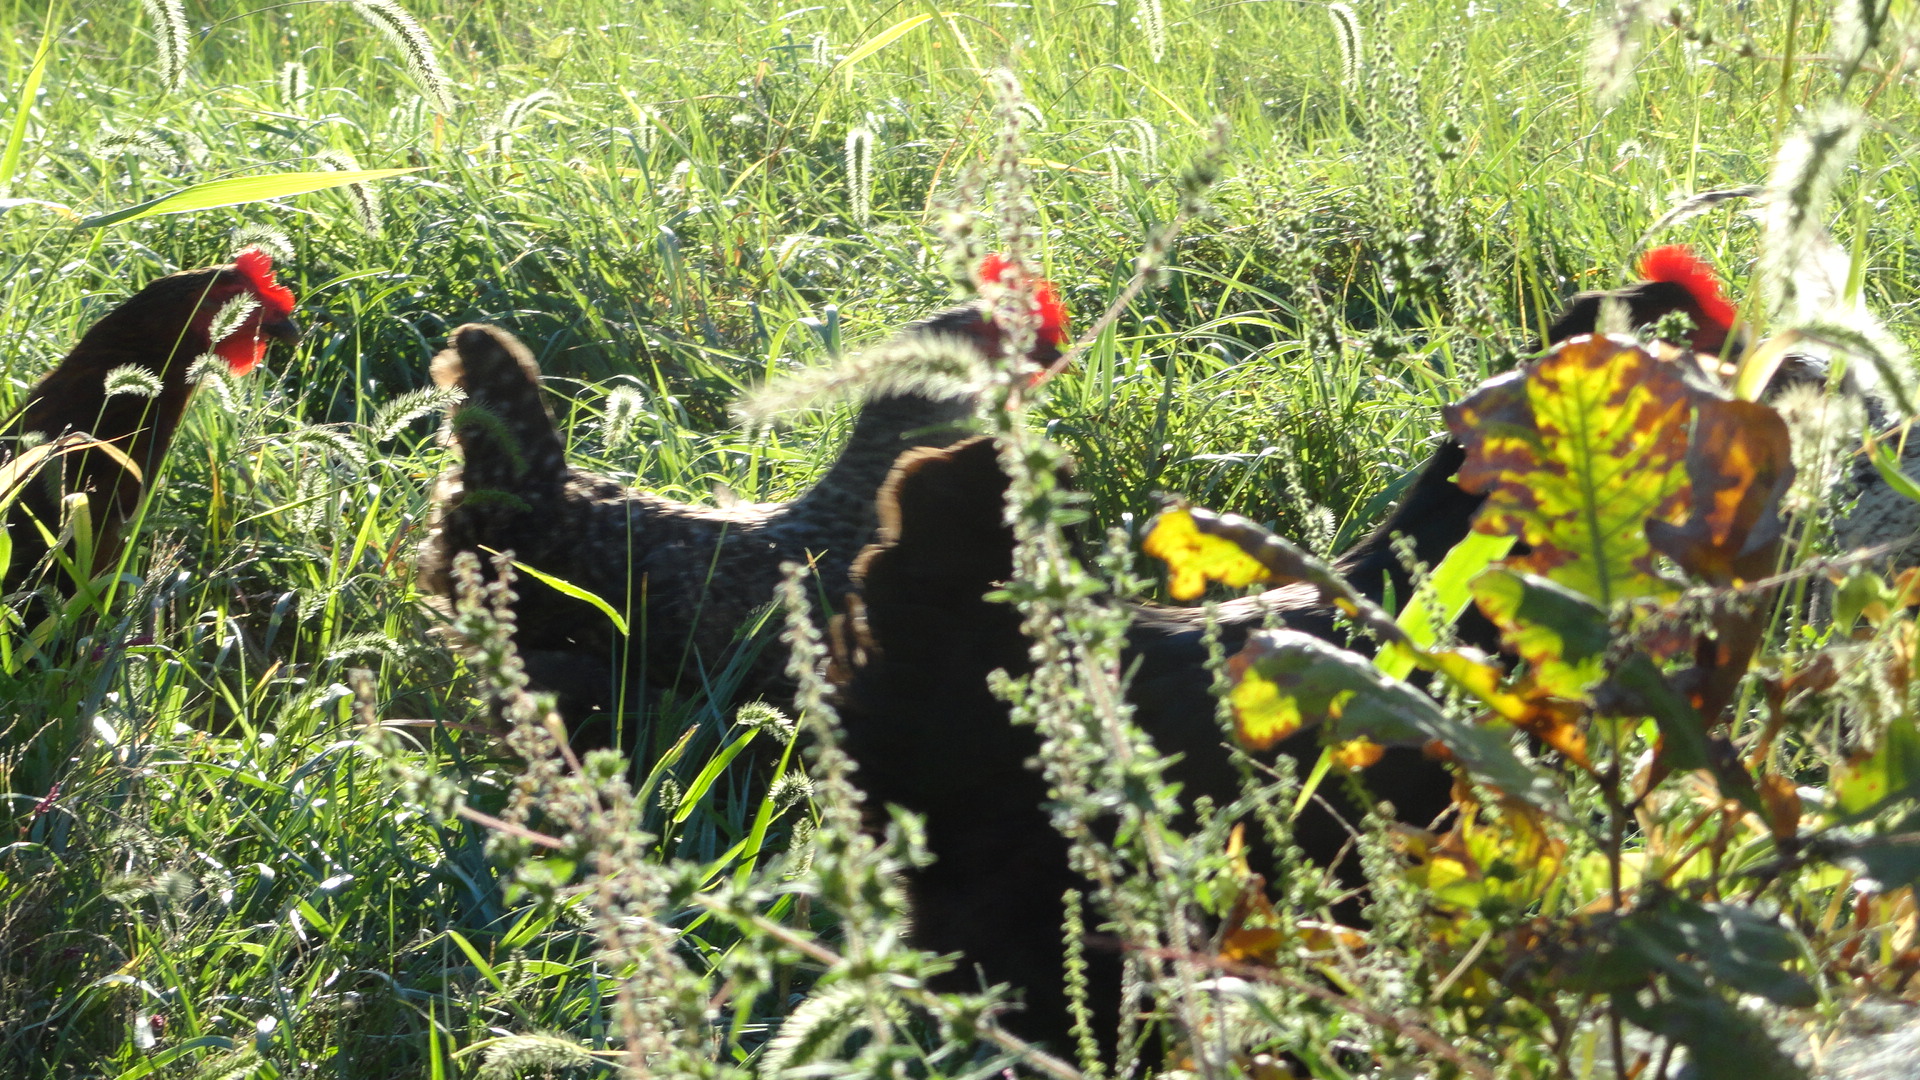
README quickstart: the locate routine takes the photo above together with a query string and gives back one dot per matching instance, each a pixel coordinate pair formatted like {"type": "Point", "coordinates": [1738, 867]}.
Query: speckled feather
{"type": "Point", "coordinates": [689, 578]}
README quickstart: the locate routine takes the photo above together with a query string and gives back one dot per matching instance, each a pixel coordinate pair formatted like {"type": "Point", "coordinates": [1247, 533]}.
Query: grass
{"type": "Point", "coordinates": [208, 872]}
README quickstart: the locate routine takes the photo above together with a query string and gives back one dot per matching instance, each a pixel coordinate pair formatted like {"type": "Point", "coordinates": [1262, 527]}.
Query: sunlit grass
{"type": "Point", "coordinates": [655, 198]}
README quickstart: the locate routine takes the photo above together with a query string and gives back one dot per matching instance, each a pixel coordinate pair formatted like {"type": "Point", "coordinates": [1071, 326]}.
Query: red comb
{"type": "Point", "coordinates": [257, 267]}
{"type": "Point", "coordinates": [994, 270]}
{"type": "Point", "coordinates": [1676, 264]}
{"type": "Point", "coordinates": [243, 348]}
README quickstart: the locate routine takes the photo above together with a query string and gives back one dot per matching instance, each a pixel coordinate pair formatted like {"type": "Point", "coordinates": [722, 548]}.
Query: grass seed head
{"type": "Point", "coordinates": [860, 175]}
{"type": "Point", "coordinates": [415, 46]}
{"type": "Point", "coordinates": [1152, 17]}
{"type": "Point", "coordinates": [266, 238]}
{"type": "Point", "coordinates": [1794, 243]}
{"type": "Point", "coordinates": [171, 36]}
{"type": "Point", "coordinates": [140, 142]}
{"type": "Point", "coordinates": [133, 381]}
{"type": "Point", "coordinates": [294, 86]}
{"type": "Point", "coordinates": [1346, 33]}
{"type": "Point", "coordinates": [365, 200]}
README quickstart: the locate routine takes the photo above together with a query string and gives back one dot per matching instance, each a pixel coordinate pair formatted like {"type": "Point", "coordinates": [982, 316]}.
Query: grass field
{"type": "Point", "coordinates": [216, 866]}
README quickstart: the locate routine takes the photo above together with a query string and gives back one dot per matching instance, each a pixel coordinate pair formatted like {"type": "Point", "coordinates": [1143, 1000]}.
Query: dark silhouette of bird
{"type": "Point", "coordinates": [687, 579]}
{"type": "Point", "coordinates": [911, 658]}
{"type": "Point", "coordinates": [1672, 278]}
{"type": "Point", "coordinates": [126, 385]}
{"type": "Point", "coordinates": [913, 652]}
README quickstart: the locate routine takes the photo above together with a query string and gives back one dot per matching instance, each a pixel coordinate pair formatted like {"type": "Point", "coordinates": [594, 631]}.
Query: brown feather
{"type": "Point", "coordinates": [162, 330]}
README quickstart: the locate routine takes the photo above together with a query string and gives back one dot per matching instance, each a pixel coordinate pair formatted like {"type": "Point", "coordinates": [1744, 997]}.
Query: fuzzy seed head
{"type": "Point", "coordinates": [294, 86]}
{"type": "Point", "coordinates": [140, 143]}
{"type": "Point", "coordinates": [365, 200]}
{"type": "Point", "coordinates": [860, 174]}
{"type": "Point", "coordinates": [1346, 33]}
{"type": "Point", "coordinates": [415, 46]}
{"type": "Point", "coordinates": [133, 381]}
{"type": "Point", "coordinates": [1616, 46]}
{"type": "Point", "coordinates": [171, 36]}
{"type": "Point", "coordinates": [268, 239]}
{"type": "Point", "coordinates": [1152, 17]}
{"type": "Point", "coordinates": [1796, 248]}
{"type": "Point", "coordinates": [516, 114]}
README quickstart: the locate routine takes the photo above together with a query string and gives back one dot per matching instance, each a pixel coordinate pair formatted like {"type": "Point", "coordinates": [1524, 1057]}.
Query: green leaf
{"type": "Point", "coordinates": [241, 189]}
{"type": "Point", "coordinates": [1744, 950]}
{"type": "Point", "coordinates": [1686, 738]}
{"type": "Point", "coordinates": [1284, 681]}
{"type": "Point", "coordinates": [1862, 593]}
{"type": "Point", "coordinates": [1561, 633]}
{"type": "Point", "coordinates": [1723, 1042]}
{"type": "Point", "coordinates": [1741, 949]}
{"type": "Point", "coordinates": [1447, 593]}
{"type": "Point", "coordinates": [1889, 469]}
{"type": "Point", "coordinates": [1890, 772]}
{"type": "Point", "coordinates": [1686, 942]}
{"type": "Point", "coordinates": [1641, 688]}
{"type": "Point", "coordinates": [1576, 452]}
{"type": "Point", "coordinates": [1892, 859]}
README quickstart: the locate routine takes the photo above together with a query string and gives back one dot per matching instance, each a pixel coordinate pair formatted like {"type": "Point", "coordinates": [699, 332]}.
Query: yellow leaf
{"type": "Point", "coordinates": [1576, 453]}
{"type": "Point", "coordinates": [1194, 558]}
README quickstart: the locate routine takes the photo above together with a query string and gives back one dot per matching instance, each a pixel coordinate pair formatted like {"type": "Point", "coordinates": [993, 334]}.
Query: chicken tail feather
{"type": "Point", "coordinates": [508, 442]}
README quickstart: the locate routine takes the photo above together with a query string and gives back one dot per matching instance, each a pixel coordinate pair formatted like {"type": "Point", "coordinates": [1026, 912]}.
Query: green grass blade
{"type": "Point", "coordinates": [865, 49]}
{"type": "Point", "coordinates": [568, 588]}
{"type": "Point", "coordinates": [716, 765]}
{"type": "Point", "coordinates": [17, 138]}
{"type": "Point", "coordinates": [236, 190]}
{"type": "Point", "coordinates": [877, 42]}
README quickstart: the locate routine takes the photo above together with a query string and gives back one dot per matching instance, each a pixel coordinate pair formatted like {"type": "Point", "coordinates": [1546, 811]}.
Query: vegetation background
{"type": "Point", "coordinates": [206, 869]}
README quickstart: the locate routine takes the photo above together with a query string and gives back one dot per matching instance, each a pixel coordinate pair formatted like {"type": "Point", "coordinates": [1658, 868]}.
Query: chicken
{"type": "Point", "coordinates": [1672, 278]}
{"type": "Point", "coordinates": [912, 655]}
{"type": "Point", "coordinates": [160, 331]}
{"type": "Point", "coordinates": [910, 663]}
{"type": "Point", "coordinates": [687, 579]}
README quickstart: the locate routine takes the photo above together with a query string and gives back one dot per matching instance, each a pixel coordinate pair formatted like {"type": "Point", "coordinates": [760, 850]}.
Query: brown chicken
{"type": "Point", "coordinates": [687, 579]}
{"type": "Point", "coordinates": [159, 332]}
{"type": "Point", "coordinates": [911, 660]}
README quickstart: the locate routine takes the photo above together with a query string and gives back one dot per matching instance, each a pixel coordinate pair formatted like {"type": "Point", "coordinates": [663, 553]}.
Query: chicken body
{"type": "Point", "coordinates": [910, 664]}
{"type": "Point", "coordinates": [161, 331]}
{"type": "Point", "coordinates": [687, 579]}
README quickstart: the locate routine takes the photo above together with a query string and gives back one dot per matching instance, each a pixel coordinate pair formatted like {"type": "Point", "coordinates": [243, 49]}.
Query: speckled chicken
{"type": "Point", "coordinates": [156, 335]}
{"type": "Point", "coordinates": [687, 579]}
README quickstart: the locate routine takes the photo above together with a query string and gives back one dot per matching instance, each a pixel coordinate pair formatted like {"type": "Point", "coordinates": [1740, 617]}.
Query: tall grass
{"type": "Point", "coordinates": [231, 849]}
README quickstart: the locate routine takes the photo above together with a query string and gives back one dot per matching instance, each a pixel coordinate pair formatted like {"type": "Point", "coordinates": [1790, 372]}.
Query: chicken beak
{"type": "Point", "coordinates": [282, 330]}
